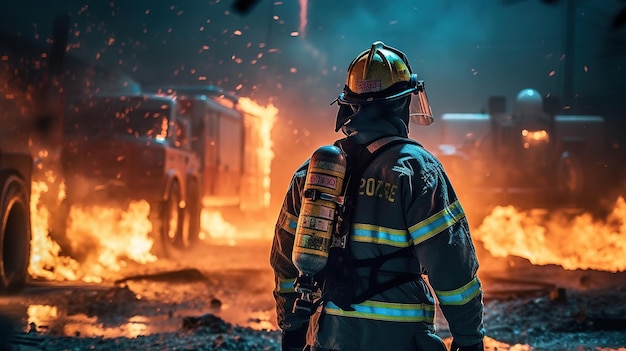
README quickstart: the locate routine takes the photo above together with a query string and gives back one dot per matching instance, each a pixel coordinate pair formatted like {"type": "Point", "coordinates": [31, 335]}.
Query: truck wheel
{"type": "Point", "coordinates": [193, 214]}
{"type": "Point", "coordinates": [172, 217]}
{"type": "Point", "coordinates": [15, 234]}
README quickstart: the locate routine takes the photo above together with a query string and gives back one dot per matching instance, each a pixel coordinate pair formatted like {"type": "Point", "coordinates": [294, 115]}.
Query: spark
{"type": "Point", "coordinates": [303, 17]}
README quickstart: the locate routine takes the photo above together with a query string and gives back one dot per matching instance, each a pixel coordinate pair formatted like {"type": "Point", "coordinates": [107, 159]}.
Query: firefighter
{"type": "Point", "coordinates": [406, 230]}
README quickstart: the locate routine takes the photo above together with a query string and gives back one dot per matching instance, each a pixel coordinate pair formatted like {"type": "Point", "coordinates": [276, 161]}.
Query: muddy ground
{"type": "Point", "coordinates": [218, 297]}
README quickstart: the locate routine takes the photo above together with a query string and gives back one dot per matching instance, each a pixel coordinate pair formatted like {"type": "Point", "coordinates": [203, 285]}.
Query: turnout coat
{"type": "Point", "coordinates": [404, 199]}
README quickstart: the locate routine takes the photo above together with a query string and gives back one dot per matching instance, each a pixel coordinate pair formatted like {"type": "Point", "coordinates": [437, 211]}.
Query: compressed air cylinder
{"type": "Point", "coordinates": [318, 212]}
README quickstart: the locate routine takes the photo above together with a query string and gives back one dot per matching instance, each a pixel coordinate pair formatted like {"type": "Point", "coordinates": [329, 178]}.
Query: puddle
{"type": "Point", "coordinates": [50, 319]}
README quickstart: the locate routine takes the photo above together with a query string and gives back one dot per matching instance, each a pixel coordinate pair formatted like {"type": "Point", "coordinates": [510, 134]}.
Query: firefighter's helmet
{"type": "Point", "coordinates": [382, 74]}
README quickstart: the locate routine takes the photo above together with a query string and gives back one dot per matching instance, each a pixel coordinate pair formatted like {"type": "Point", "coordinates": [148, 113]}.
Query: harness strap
{"type": "Point", "coordinates": [341, 255]}
{"type": "Point", "coordinates": [375, 287]}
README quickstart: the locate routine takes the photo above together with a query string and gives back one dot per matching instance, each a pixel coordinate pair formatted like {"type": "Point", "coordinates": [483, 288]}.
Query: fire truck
{"type": "Point", "coordinates": [530, 157]}
{"type": "Point", "coordinates": [181, 154]}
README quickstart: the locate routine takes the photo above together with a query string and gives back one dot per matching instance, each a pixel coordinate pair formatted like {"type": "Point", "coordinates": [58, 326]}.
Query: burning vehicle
{"type": "Point", "coordinates": [180, 154]}
{"type": "Point", "coordinates": [532, 157]}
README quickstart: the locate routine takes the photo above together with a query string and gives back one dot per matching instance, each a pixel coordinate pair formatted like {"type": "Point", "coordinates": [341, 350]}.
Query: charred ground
{"type": "Point", "coordinates": [220, 299]}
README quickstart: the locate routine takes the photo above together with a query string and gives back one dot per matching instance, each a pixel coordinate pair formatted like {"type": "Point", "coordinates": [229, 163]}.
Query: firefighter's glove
{"type": "Point", "coordinates": [476, 347]}
{"type": "Point", "coordinates": [294, 340]}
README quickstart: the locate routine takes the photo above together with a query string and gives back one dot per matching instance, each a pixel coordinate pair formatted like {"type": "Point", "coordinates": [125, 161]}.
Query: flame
{"type": "Point", "coordinates": [116, 233]}
{"type": "Point", "coordinates": [105, 236]}
{"type": "Point", "coordinates": [581, 242]}
{"type": "Point", "coordinates": [103, 240]}
{"type": "Point", "coordinates": [213, 226]}
{"type": "Point", "coordinates": [217, 230]}
{"type": "Point", "coordinates": [267, 115]}
{"type": "Point", "coordinates": [45, 260]}
{"type": "Point", "coordinates": [106, 239]}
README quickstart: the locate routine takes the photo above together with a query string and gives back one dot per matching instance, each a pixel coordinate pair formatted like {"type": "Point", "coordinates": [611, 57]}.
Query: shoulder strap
{"type": "Point", "coordinates": [342, 260]}
{"type": "Point", "coordinates": [377, 146]}
{"type": "Point", "coordinates": [374, 287]}
{"type": "Point", "coordinates": [362, 159]}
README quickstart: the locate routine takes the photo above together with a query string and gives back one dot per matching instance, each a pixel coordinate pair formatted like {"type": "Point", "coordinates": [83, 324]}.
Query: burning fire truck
{"type": "Point", "coordinates": [532, 157]}
{"type": "Point", "coordinates": [181, 154]}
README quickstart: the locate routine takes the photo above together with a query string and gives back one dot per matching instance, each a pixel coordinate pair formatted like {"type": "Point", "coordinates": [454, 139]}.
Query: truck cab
{"type": "Point", "coordinates": [122, 148]}
{"type": "Point", "coordinates": [229, 141]}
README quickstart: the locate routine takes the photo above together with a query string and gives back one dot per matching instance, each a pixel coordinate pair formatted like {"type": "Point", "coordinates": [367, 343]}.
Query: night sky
{"type": "Point", "coordinates": [464, 50]}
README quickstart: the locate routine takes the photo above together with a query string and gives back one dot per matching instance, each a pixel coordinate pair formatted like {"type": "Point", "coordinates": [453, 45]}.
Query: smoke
{"type": "Point", "coordinates": [465, 51]}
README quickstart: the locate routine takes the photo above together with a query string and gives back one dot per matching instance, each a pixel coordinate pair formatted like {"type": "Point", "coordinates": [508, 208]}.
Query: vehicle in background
{"type": "Point", "coordinates": [180, 153]}
{"type": "Point", "coordinates": [122, 148]}
{"type": "Point", "coordinates": [532, 157]}
{"type": "Point", "coordinates": [229, 141]}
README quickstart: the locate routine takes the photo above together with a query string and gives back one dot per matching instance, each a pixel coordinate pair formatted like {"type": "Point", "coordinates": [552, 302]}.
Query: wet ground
{"type": "Point", "coordinates": [230, 288]}
{"type": "Point", "coordinates": [233, 283]}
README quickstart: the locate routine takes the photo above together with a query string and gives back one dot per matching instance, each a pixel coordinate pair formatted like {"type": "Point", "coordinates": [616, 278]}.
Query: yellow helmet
{"type": "Point", "coordinates": [376, 70]}
{"type": "Point", "coordinates": [383, 73]}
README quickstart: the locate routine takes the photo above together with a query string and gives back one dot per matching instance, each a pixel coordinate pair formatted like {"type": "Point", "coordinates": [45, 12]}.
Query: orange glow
{"type": "Point", "coordinates": [45, 260]}
{"type": "Point", "coordinates": [106, 236]}
{"type": "Point", "coordinates": [118, 235]}
{"type": "Point", "coordinates": [161, 136]}
{"type": "Point", "coordinates": [214, 227]}
{"type": "Point", "coordinates": [267, 118]}
{"type": "Point", "coordinates": [573, 243]}
{"type": "Point", "coordinates": [538, 135]}
{"type": "Point", "coordinates": [103, 240]}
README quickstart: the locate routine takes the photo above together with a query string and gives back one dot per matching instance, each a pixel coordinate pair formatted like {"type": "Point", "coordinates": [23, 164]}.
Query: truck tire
{"type": "Point", "coordinates": [15, 233]}
{"type": "Point", "coordinates": [172, 220]}
{"type": "Point", "coordinates": [193, 214]}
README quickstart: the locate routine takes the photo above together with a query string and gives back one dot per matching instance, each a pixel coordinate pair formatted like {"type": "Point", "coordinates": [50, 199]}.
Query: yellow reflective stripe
{"type": "Point", "coordinates": [386, 311]}
{"type": "Point", "coordinates": [436, 223]}
{"type": "Point", "coordinates": [459, 296]}
{"type": "Point", "coordinates": [367, 233]}
{"type": "Point", "coordinates": [286, 285]}
{"type": "Point", "coordinates": [289, 223]}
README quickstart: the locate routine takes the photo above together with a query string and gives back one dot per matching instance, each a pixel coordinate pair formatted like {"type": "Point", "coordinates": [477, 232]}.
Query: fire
{"type": "Point", "coordinates": [267, 115]}
{"type": "Point", "coordinates": [106, 237]}
{"type": "Point", "coordinates": [45, 261]}
{"type": "Point", "coordinates": [103, 240]}
{"type": "Point", "coordinates": [573, 243]}
{"type": "Point", "coordinates": [214, 226]}
{"type": "Point", "coordinates": [116, 234]}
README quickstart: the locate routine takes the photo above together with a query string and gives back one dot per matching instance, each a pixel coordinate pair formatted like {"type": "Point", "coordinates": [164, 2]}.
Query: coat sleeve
{"type": "Point", "coordinates": [285, 273]}
{"type": "Point", "coordinates": [445, 249]}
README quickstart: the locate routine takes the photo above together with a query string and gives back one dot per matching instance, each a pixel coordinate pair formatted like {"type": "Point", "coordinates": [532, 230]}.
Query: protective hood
{"type": "Point", "coordinates": [370, 122]}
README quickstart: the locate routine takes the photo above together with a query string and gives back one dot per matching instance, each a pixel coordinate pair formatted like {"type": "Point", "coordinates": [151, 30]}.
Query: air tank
{"type": "Point", "coordinates": [318, 212]}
